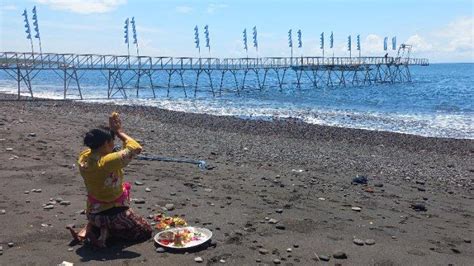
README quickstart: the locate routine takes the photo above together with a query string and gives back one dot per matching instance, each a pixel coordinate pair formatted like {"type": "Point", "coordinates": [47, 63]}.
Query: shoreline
{"type": "Point", "coordinates": [228, 122]}
{"type": "Point", "coordinates": [298, 174]}
{"type": "Point", "coordinates": [271, 119]}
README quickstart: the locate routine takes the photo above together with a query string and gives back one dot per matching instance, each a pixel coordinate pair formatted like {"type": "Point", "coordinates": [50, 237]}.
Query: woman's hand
{"type": "Point", "coordinates": [115, 123]}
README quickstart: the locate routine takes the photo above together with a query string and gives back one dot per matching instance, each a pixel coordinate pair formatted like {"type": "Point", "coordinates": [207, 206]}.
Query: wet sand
{"type": "Point", "coordinates": [297, 174]}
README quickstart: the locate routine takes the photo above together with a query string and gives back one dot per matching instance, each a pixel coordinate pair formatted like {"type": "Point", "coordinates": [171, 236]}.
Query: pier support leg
{"type": "Point", "coordinates": [264, 78]}
{"type": "Point", "coordinates": [298, 78]}
{"type": "Point", "coordinates": [244, 78]}
{"type": "Point", "coordinates": [236, 82]}
{"type": "Point", "coordinates": [197, 80]}
{"type": "Point", "coordinates": [209, 74]}
{"type": "Point", "coordinates": [170, 73]}
{"type": "Point", "coordinates": [137, 84]}
{"type": "Point", "coordinates": [222, 82]}
{"type": "Point", "coordinates": [150, 79]}
{"type": "Point", "coordinates": [181, 73]}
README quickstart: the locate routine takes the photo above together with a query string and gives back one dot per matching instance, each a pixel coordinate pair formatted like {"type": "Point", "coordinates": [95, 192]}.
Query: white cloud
{"type": "Point", "coordinates": [460, 35]}
{"type": "Point", "coordinates": [419, 44]}
{"type": "Point", "coordinates": [372, 45]}
{"type": "Point", "coordinates": [83, 6]}
{"type": "Point", "coordinates": [212, 8]}
{"type": "Point", "coordinates": [453, 42]}
{"type": "Point", "coordinates": [184, 9]}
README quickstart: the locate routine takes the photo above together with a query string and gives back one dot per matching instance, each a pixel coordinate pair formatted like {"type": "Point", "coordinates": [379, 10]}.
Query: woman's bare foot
{"type": "Point", "coordinates": [104, 234]}
{"type": "Point", "coordinates": [80, 237]}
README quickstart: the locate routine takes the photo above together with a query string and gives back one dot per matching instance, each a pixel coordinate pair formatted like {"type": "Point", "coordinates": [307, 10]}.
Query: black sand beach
{"type": "Point", "coordinates": [277, 192]}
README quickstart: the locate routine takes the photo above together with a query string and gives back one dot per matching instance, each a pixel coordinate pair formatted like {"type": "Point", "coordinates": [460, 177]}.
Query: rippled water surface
{"type": "Point", "coordinates": [438, 102]}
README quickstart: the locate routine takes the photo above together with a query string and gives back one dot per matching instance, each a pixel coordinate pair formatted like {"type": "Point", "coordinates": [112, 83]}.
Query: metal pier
{"type": "Point", "coordinates": [130, 75]}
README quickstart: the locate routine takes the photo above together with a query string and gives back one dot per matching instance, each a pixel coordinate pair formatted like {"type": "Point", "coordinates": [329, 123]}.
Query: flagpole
{"type": "Point", "coordinates": [32, 49]}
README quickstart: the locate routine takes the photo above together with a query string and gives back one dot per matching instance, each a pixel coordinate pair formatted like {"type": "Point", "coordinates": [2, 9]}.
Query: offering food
{"type": "Point", "coordinates": [164, 222]}
{"type": "Point", "coordinates": [183, 237]}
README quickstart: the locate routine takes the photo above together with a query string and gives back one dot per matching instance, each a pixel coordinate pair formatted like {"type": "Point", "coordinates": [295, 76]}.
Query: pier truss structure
{"type": "Point", "coordinates": [130, 76]}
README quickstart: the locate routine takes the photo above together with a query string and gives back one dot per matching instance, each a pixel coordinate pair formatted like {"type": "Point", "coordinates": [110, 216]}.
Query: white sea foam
{"type": "Point", "coordinates": [433, 106]}
{"type": "Point", "coordinates": [430, 125]}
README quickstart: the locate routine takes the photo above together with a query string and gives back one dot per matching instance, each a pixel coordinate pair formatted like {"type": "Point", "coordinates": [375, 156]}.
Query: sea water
{"type": "Point", "coordinates": [439, 102]}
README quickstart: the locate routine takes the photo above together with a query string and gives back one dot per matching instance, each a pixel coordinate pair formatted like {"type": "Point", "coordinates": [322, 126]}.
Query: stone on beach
{"type": "Point", "coordinates": [357, 209]}
{"type": "Point", "coordinates": [358, 241]}
{"type": "Point", "coordinates": [138, 183]}
{"type": "Point", "coordinates": [272, 221]}
{"type": "Point", "coordinates": [359, 179]}
{"type": "Point", "coordinates": [169, 206]}
{"type": "Point", "coordinates": [370, 242]}
{"type": "Point", "coordinates": [340, 255]}
{"type": "Point", "coordinates": [263, 251]}
{"type": "Point", "coordinates": [419, 207]}
{"type": "Point", "coordinates": [280, 227]}
{"type": "Point", "coordinates": [139, 201]}
{"type": "Point", "coordinates": [198, 259]}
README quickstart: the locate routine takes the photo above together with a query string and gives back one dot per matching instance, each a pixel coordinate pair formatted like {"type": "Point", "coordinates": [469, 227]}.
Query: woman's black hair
{"type": "Point", "coordinates": [98, 136]}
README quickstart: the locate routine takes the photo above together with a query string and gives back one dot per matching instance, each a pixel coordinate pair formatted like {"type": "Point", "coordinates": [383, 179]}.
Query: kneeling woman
{"type": "Point", "coordinates": [108, 211]}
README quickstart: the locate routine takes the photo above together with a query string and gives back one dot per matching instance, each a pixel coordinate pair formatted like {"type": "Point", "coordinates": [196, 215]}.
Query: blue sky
{"type": "Point", "coordinates": [439, 30]}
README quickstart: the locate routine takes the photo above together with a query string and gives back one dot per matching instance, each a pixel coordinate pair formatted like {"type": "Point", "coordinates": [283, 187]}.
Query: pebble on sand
{"type": "Point", "coordinates": [359, 179]}
{"type": "Point", "coordinates": [48, 207]}
{"type": "Point", "coordinates": [276, 261]}
{"type": "Point", "coordinates": [273, 221]}
{"type": "Point", "coordinates": [419, 207]}
{"type": "Point", "coordinates": [323, 257]}
{"type": "Point", "coordinates": [340, 255]}
{"type": "Point", "coordinates": [370, 242]}
{"type": "Point", "coordinates": [138, 183]}
{"type": "Point", "coordinates": [357, 209]}
{"type": "Point", "coordinates": [139, 201]}
{"type": "Point", "coordinates": [358, 241]}
{"type": "Point", "coordinates": [198, 259]}
{"type": "Point", "coordinates": [280, 227]}
{"type": "Point", "coordinates": [169, 206]}
{"type": "Point", "coordinates": [9, 149]}
{"type": "Point", "coordinates": [65, 203]}
{"type": "Point", "coordinates": [263, 251]}
{"type": "Point", "coordinates": [160, 250]}
{"type": "Point", "coordinates": [11, 244]}
{"type": "Point", "coordinates": [147, 189]}
{"type": "Point", "coordinates": [3, 211]}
